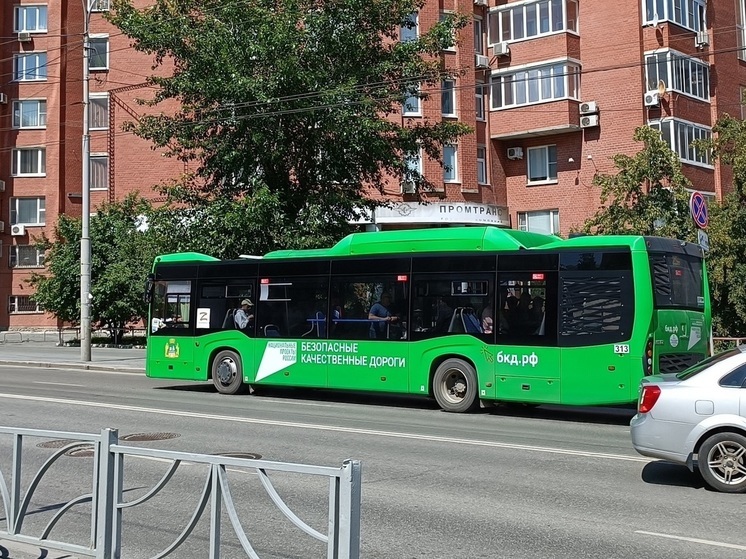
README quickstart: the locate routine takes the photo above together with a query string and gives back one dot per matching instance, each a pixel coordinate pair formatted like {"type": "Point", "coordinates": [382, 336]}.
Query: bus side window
{"type": "Point", "coordinates": [526, 312]}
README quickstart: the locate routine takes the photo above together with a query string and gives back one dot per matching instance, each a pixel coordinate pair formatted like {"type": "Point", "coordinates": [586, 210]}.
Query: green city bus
{"type": "Point", "coordinates": [474, 315]}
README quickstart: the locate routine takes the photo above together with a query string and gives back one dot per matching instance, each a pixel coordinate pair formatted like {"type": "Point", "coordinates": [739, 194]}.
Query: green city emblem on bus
{"type": "Point", "coordinates": [172, 349]}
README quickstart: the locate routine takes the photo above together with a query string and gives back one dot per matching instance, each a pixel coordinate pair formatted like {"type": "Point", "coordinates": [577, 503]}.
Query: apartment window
{"type": "Point", "coordinates": [532, 19]}
{"type": "Point", "coordinates": [542, 164]}
{"type": "Point", "coordinates": [409, 31]}
{"type": "Point", "coordinates": [26, 256]}
{"type": "Point", "coordinates": [539, 84]}
{"type": "Point", "coordinates": [478, 36]}
{"type": "Point", "coordinates": [98, 53]}
{"type": "Point", "coordinates": [546, 222]}
{"type": "Point", "coordinates": [19, 304]}
{"type": "Point", "coordinates": [30, 113]}
{"type": "Point", "coordinates": [29, 162]}
{"type": "Point", "coordinates": [411, 105]}
{"type": "Point", "coordinates": [679, 72]}
{"type": "Point", "coordinates": [479, 101]}
{"type": "Point", "coordinates": [743, 103]}
{"type": "Point", "coordinates": [30, 67]}
{"type": "Point", "coordinates": [413, 172]}
{"type": "Point", "coordinates": [452, 46]}
{"type": "Point", "coordinates": [681, 135]}
{"type": "Point", "coordinates": [100, 5]}
{"type": "Point", "coordinates": [448, 98]}
{"type": "Point", "coordinates": [30, 18]}
{"type": "Point", "coordinates": [741, 29]}
{"type": "Point", "coordinates": [27, 211]}
{"type": "Point", "coordinates": [482, 165]}
{"type": "Point", "coordinates": [99, 171]}
{"type": "Point", "coordinates": [98, 112]}
{"type": "Point", "coordinates": [450, 163]}
{"type": "Point", "coordinates": [686, 13]}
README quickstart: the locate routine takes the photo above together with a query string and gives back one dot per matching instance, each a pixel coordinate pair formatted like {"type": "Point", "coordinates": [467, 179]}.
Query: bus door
{"type": "Point", "coordinates": [170, 349]}
{"type": "Point", "coordinates": [527, 359]}
{"type": "Point", "coordinates": [291, 328]}
{"type": "Point", "coordinates": [369, 327]}
{"type": "Point", "coordinates": [596, 317]}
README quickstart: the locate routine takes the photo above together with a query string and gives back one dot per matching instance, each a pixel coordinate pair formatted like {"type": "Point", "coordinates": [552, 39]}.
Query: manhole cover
{"type": "Point", "coordinates": [56, 443]}
{"type": "Point", "coordinates": [248, 455]}
{"type": "Point", "coordinates": [81, 452]}
{"type": "Point", "coordinates": [149, 436]}
{"type": "Point", "coordinates": [84, 450]}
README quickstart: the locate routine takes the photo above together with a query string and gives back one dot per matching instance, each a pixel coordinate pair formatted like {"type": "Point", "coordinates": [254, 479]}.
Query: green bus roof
{"type": "Point", "coordinates": [185, 257]}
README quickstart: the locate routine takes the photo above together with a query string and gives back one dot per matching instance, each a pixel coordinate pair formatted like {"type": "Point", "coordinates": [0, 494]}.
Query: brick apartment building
{"type": "Point", "coordinates": [553, 89]}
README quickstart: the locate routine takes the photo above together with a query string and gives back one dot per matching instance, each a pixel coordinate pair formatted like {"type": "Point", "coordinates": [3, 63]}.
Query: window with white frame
{"type": "Point", "coordinates": [743, 103]}
{"type": "Point", "coordinates": [412, 104]}
{"type": "Point", "coordinates": [101, 5]}
{"type": "Point", "coordinates": [482, 165]}
{"type": "Point", "coordinates": [30, 18]}
{"type": "Point", "coordinates": [545, 221]}
{"type": "Point", "coordinates": [741, 29]}
{"type": "Point", "coordinates": [19, 304]}
{"type": "Point", "coordinates": [542, 164]}
{"type": "Point", "coordinates": [479, 101]}
{"type": "Point", "coordinates": [532, 19]}
{"type": "Point", "coordinates": [26, 256]}
{"type": "Point", "coordinates": [409, 31]}
{"type": "Point", "coordinates": [448, 97]}
{"type": "Point", "coordinates": [681, 136]}
{"type": "Point", "coordinates": [30, 67]}
{"type": "Point", "coordinates": [27, 211]}
{"type": "Point", "coordinates": [450, 163]}
{"type": "Point", "coordinates": [98, 53]}
{"type": "Point", "coordinates": [30, 113]}
{"type": "Point", "coordinates": [99, 171]}
{"type": "Point", "coordinates": [413, 172]}
{"type": "Point", "coordinates": [690, 14]}
{"type": "Point", "coordinates": [98, 111]}
{"type": "Point", "coordinates": [679, 72]}
{"type": "Point", "coordinates": [537, 84]}
{"type": "Point", "coordinates": [478, 36]}
{"type": "Point", "coordinates": [28, 162]}
{"type": "Point", "coordinates": [452, 46]}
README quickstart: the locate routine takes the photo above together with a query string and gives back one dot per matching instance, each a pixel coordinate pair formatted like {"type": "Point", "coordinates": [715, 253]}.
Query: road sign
{"type": "Point", "coordinates": [703, 240]}
{"type": "Point", "coordinates": [698, 207]}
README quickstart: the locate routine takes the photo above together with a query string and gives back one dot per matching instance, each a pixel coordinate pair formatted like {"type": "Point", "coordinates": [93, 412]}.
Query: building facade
{"type": "Point", "coordinates": [552, 89]}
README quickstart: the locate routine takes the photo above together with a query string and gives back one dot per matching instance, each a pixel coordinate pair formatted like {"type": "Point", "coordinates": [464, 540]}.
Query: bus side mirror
{"type": "Point", "coordinates": [149, 286]}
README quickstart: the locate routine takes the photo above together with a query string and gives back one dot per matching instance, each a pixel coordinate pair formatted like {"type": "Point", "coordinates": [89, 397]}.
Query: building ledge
{"type": "Point", "coordinates": [537, 132]}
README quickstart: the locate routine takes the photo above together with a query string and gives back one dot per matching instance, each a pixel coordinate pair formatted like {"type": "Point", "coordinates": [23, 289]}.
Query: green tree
{"type": "Point", "coordinates": [647, 195]}
{"type": "Point", "coordinates": [288, 112]}
{"type": "Point", "coordinates": [727, 231]}
{"type": "Point", "coordinates": [121, 256]}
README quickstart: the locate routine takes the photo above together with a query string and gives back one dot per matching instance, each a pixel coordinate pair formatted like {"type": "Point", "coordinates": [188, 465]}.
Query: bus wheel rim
{"type": "Point", "coordinates": [227, 371]}
{"type": "Point", "coordinates": [454, 385]}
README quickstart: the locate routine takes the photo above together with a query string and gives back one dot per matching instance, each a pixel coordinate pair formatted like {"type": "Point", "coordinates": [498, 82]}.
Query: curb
{"type": "Point", "coordinates": [79, 366]}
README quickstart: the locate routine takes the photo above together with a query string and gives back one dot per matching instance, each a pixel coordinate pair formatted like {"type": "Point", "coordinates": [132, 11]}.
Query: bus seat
{"type": "Point", "coordinates": [471, 324]}
{"type": "Point", "coordinates": [228, 322]}
{"type": "Point", "coordinates": [271, 331]}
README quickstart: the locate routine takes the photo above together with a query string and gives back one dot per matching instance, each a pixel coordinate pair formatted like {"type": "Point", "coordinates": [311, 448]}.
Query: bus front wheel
{"type": "Point", "coordinates": [227, 375]}
{"type": "Point", "coordinates": [455, 386]}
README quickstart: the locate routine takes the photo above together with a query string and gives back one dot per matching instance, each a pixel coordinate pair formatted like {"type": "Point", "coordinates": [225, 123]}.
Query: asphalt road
{"type": "Point", "coordinates": [527, 483]}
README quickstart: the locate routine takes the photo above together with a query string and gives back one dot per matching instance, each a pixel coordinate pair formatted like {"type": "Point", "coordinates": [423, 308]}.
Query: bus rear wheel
{"type": "Point", "coordinates": [455, 386]}
{"type": "Point", "coordinates": [227, 374]}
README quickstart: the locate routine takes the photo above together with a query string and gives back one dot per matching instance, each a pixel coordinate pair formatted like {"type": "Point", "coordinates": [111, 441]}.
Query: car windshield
{"type": "Point", "coordinates": [702, 365]}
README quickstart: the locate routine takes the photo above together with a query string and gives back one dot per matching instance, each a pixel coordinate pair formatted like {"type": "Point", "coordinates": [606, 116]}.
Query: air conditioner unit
{"type": "Point", "coordinates": [17, 230]}
{"type": "Point", "coordinates": [3, 98]}
{"type": "Point", "coordinates": [24, 36]}
{"type": "Point", "coordinates": [588, 108]}
{"type": "Point", "coordinates": [481, 61]}
{"type": "Point", "coordinates": [651, 98]}
{"type": "Point", "coordinates": [702, 39]}
{"type": "Point", "coordinates": [515, 153]}
{"type": "Point", "coordinates": [588, 121]}
{"type": "Point", "coordinates": [481, 3]}
{"type": "Point", "coordinates": [2, 186]}
{"type": "Point", "coordinates": [501, 49]}
{"type": "Point", "coordinates": [407, 187]}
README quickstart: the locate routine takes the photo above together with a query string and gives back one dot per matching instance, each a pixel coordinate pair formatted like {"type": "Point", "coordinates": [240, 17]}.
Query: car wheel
{"type": "Point", "coordinates": [722, 462]}
{"type": "Point", "coordinates": [227, 374]}
{"type": "Point", "coordinates": [455, 386]}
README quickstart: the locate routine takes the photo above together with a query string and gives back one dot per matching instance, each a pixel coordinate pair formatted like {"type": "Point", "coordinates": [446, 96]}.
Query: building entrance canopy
{"type": "Point", "coordinates": [457, 213]}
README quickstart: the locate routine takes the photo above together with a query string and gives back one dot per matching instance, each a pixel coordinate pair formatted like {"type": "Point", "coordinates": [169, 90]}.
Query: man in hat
{"type": "Point", "coordinates": [244, 316]}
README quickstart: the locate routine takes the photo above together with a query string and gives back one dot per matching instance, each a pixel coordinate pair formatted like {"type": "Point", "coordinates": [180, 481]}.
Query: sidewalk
{"type": "Point", "coordinates": [47, 354]}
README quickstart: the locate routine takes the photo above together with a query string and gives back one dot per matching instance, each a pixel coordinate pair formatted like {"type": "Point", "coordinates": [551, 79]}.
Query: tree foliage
{"type": "Point", "coordinates": [121, 257]}
{"type": "Point", "coordinates": [647, 195]}
{"type": "Point", "coordinates": [286, 112]}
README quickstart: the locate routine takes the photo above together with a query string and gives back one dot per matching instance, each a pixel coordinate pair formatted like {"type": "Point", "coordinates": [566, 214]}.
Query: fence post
{"type": "Point", "coordinates": [15, 483]}
{"type": "Point", "coordinates": [104, 492]}
{"type": "Point", "coordinates": [349, 510]}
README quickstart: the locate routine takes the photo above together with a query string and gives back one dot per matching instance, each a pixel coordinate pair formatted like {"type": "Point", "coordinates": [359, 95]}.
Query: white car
{"type": "Point", "coordinates": [698, 418]}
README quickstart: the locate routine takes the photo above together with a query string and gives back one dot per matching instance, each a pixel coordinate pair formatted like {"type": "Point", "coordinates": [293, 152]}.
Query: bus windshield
{"type": "Point", "coordinates": [677, 281]}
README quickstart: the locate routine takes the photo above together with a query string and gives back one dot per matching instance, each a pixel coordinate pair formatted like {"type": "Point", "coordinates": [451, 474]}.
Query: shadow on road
{"type": "Point", "coordinates": [667, 473]}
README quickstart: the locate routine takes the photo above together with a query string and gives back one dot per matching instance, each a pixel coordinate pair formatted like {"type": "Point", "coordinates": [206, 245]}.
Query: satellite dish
{"type": "Point", "coordinates": [661, 88]}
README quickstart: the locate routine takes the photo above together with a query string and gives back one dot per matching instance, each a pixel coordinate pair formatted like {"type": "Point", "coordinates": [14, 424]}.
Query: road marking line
{"type": "Point", "coordinates": [693, 540]}
{"type": "Point", "coordinates": [351, 430]}
{"type": "Point", "coordinates": [57, 383]}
